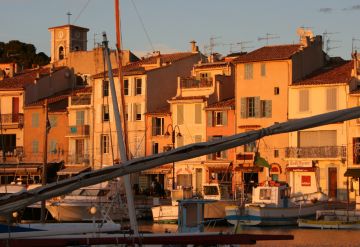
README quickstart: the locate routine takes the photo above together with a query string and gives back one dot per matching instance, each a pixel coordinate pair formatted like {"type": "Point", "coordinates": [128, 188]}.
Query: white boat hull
{"type": "Point", "coordinates": [269, 216]}
{"type": "Point", "coordinates": [165, 213]}
{"type": "Point", "coordinates": [328, 224]}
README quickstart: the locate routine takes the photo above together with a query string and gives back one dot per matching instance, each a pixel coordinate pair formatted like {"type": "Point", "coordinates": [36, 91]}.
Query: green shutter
{"type": "Point", "coordinates": [243, 107]}
{"type": "Point", "coordinates": [153, 126]}
{"type": "Point", "coordinates": [198, 113]}
{"type": "Point", "coordinates": [180, 114]}
{"type": "Point", "coordinates": [224, 118]}
{"type": "Point", "coordinates": [209, 118]}
{"type": "Point", "coordinates": [257, 107]}
{"type": "Point", "coordinates": [268, 108]}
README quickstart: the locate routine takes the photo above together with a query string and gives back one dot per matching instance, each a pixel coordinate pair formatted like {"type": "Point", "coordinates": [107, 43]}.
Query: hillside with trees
{"type": "Point", "coordinates": [21, 53]}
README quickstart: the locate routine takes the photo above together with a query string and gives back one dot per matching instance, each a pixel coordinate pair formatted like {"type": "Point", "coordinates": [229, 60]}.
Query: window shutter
{"type": "Point", "coordinates": [209, 156]}
{"type": "Point", "coordinates": [303, 100]}
{"type": "Point", "coordinates": [243, 107]}
{"type": "Point", "coordinates": [257, 107]}
{"type": "Point", "coordinates": [331, 99]}
{"type": "Point", "coordinates": [268, 108]}
{"type": "Point", "coordinates": [153, 124]}
{"type": "Point", "coordinates": [224, 118]}
{"type": "Point", "coordinates": [209, 118]}
{"type": "Point", "coordinates": [180, 114]}
{"type": "Point", "coordinates": [198, 113]}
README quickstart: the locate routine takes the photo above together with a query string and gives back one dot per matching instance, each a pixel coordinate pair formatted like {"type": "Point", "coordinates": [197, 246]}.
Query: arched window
{"type": "Point", "coordinates": [61, 53]}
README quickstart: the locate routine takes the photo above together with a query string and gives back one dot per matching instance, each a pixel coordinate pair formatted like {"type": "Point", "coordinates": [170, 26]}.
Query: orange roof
{"type": "Point", "coordinates": [226, 103]}
{"type": "Point", "coordinates": [160, 111]}
{"type": "Point", "coordinates": [333, 73]}
{"type": "Point", "coordinates": [266, 53]}
{"type": "Point", "coordinates": [138, 66]}
{"type": "Point", "coordinates": [21, 80]}
{"type": "Point", "coordinates": [211, 65]}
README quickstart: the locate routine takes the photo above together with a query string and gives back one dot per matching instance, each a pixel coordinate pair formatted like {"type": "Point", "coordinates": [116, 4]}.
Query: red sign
{"type": "Point", "coordinates": [305, 180]}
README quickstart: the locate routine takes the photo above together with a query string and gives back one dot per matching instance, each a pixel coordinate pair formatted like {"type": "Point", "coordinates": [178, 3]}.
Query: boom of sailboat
{"type": "Point", "coordinates": [14, 202]}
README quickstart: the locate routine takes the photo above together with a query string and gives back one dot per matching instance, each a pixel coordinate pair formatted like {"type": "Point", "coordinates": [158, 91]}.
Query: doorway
{"type": "Point", "coordinates": [332, 178]}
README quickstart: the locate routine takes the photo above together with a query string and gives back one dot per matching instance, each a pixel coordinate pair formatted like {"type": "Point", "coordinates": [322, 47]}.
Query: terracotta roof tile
{"type": "Point", "coordinates": [160, 111]}
{"type": "Point", "coordinates": [266, 53]}
{"type": "Point", "coordinates": [334, 73]}
{"type": "Point", "coordinates": [23, 79]}
{"type": "Point", "coordinates": [227, 103]}
{"type": "Point", "coordinates": [211, 65]}
{"type": "Point", "coordinates": [188, 98]}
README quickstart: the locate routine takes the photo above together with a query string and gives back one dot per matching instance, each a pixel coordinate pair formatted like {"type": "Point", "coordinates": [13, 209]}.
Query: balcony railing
{"type": "Point", "coordinates": [316, 152]}
{"type": "Point", "coordinates": [12, 120]}
{"type": "Point", "coordinates": [78, 159]}
{"type": "Point", "coordinates": [81, 99]}
{"type": "Point", "coordinates": [79, 130]}
{"type": "Point", "coordinates": [191, 82]}
{"type": "Point", "coordinates": [12, 153]}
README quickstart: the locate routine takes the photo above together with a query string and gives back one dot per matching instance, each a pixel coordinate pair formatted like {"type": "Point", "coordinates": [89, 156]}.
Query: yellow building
{"type": "Point", "coordinates": [262, 79]}
{"type": "Point", "coordinates": [317, 157]}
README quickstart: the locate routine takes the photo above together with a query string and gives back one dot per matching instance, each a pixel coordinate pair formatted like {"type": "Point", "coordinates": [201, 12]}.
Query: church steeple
{"type": "Point", "coordinates": [65, 39]}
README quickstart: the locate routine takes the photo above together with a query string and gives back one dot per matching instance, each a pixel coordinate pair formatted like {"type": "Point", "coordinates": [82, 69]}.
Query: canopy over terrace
{"type": "Point", "coordinates": [18, 201]}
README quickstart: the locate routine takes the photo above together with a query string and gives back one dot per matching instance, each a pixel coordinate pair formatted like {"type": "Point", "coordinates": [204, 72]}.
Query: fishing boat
{"type": "Point", "coordinates": [272, 205]}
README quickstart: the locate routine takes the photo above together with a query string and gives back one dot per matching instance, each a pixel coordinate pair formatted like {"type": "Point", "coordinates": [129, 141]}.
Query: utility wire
{"type": "Point", "coordinates": [143, 25]}
{"type": "Point", "coordinates": [81, 11]}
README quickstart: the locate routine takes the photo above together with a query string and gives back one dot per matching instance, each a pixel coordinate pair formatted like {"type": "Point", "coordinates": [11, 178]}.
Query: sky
{"type": "Point", "coordinates": [169, 25]}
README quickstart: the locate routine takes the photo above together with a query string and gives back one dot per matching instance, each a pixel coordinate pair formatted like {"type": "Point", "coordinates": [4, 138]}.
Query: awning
{"type": "Point", "coordinates": [159, 170]}
{"type": "Point", "coordinates": [300, 169]}
{"type": "Point", "coordinates": [352, 172]}
{"type": "Point", "coordinates": [73, 170]}
{"type": "Point", "coordinates": [219, 166]}
{"type": "Point", "coordinates": [20, 169]}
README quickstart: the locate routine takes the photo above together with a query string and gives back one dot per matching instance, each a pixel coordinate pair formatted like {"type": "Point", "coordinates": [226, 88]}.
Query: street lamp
{"type": "Point", "coordinates": [173, 134]}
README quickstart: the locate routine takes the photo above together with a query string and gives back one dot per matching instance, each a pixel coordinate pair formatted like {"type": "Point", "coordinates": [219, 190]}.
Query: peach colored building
{"type": "Point", "coordinates": [317, 157]}
{"type": "Point", "coordinates": [220, 122]}
{"type": "Point", "coordinates": [158, 140]}
{"type": "Point", "coordinates": [262, 80]}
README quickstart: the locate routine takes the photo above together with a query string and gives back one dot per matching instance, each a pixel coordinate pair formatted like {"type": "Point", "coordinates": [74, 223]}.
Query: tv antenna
{"type": "Point", "coordinates": [329, 47]}
{"type": "Point", "coordinates": [211, 45]}
{"type": "Point", "coordinates": [326, 39]}
{"type": "Point", "coordinates": [243, 46]}
{"type": "Point", "coordinates": [353, 47]}
{"type": "Point", "coordinates": [267, 37]}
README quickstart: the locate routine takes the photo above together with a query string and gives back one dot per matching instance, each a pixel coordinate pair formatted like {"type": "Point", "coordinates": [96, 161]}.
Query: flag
{"type": "Point", "coordinates": [259, 161]}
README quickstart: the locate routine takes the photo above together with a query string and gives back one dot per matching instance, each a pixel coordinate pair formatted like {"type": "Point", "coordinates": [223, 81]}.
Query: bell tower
{"type": "Point", "coordinates": [66, 39]}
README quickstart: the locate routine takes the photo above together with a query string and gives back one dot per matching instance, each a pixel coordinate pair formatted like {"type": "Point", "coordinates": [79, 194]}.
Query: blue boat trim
{"type": "Point", "coordinates": [6, 229]}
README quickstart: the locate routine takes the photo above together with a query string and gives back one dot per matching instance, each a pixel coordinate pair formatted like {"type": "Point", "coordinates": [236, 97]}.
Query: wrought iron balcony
{"type": "Point", "coordinates": [13, 121]}
{"type": "Point", "coordinates": [78, 159]}
{"type": "Point", "coordinates": [79, 130]}
{"type": "Point", "coordinates": [191, 82]}
{"type": "Point", "coordinates": [316, 152]}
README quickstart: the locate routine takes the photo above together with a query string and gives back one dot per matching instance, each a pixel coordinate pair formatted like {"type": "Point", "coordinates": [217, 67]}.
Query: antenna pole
{"type": "Point", "coordinates": [68, 14]}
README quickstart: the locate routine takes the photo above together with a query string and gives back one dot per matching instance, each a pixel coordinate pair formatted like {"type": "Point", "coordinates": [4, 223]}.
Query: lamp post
{"type": "Point", "coordinates": [173, 134]}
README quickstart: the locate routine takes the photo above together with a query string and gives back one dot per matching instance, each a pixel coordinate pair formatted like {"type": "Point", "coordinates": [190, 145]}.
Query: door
{"type": "Point", "coordinates": [198, 180]}
{"type": "Point", "coordinates": [79, 151]}
{"type": "Point", "coordinates": [15, 109]}
{"type": "Point", "coordinates": [332, 182]}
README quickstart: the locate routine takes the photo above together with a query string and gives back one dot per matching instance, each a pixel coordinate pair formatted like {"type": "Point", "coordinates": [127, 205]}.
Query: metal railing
{"type": "Point", "coordinates": [316, 152]}
{"type": "Point", "coordinates": [15, 120]}
{"type": "Point", "coordinates": [78, 159]}
{"type": "Point", "coordinates": [191, 82]}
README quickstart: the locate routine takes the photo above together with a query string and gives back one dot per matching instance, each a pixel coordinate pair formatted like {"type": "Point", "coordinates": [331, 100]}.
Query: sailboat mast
{"type": "Point", "coordinates": [120, 139]}
{"type": "Point", "coordinates": [43, 179]}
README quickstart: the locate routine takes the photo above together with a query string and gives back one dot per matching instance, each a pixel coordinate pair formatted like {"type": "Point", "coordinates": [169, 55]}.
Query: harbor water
{"type": "Point", "coordinates": [302, 237]}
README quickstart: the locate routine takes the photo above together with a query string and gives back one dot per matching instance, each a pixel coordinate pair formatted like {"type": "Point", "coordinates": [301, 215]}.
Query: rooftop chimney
{"type": "Point", "coordinates": [306, 35]}
{"type": "Point", "coordinates": [194, 47]}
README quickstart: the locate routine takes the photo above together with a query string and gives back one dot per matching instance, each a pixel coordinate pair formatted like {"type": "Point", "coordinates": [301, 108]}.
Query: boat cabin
{"type": "Point", "coordinates": [216, 191]}
{"type": "Point", "coordinates": [271, 193]}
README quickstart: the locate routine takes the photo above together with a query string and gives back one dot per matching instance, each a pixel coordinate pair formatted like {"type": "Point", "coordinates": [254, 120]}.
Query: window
{"type": "Point", "coordinates": [35, 146]}
{"type": "Point", "coordinates": [250, 147]}
{"type": "Point", "coordinates": [265, 194]}
{"type": "Point", "coordinates": [105, 88]}
{"type": "Point", "coordinates": [250, 107]}
{"type": "Point", "coordinates": [106, 114]}
{"type": "Point", "coordinates": [217, 155]}
{"type": "Point", "coordinates": [331, 99]}
{"type": "Point", "coordinates": [105, 147]}
{"type": "Point", "coordinates": [220, 118]}
{"type": "Point", "coordinates": [263, 69]}
{"type": "Point", "coordinates": [303, 100]}
{"type": "Point", "coordinates": [80, 117]}
{"type": "Point", "coordinates": [53, 121]}
{"type": "Point", "coordinates": [157, 126]}
{"type": "Point", "coordinates": [138, 112]}
{"type": "Point", "coordinates": [248, 71]}
{"type": "Point", "coordinates": [35, 120]}
{"type": "Point", "coordinates": [155, 147]}
{"type": "Point", "coordinates": [180, 114]}
{"type": "Point", "coordinates": [276, 153]}
{"type": "Point", "coordinates": [138, 83]}
{"type": "Point", "coordinates": [61, 53]}
{"type": "Point", "coordinates": [266, 108]}
{"type": "Point", "coordinates": [204, 75]}
{"type": "Point", "coordinates": [53, 145]}
{"type": "Point", "coordinates": [198, 113]}
{"type": "Point", "coordinates": [319, 138]}
{"type": "Point", "coordinates": [126, 87]}
{"type": "Point", "coordinates": [276, 90]}
{"type": "Point", "coordinates": [356, 150]}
